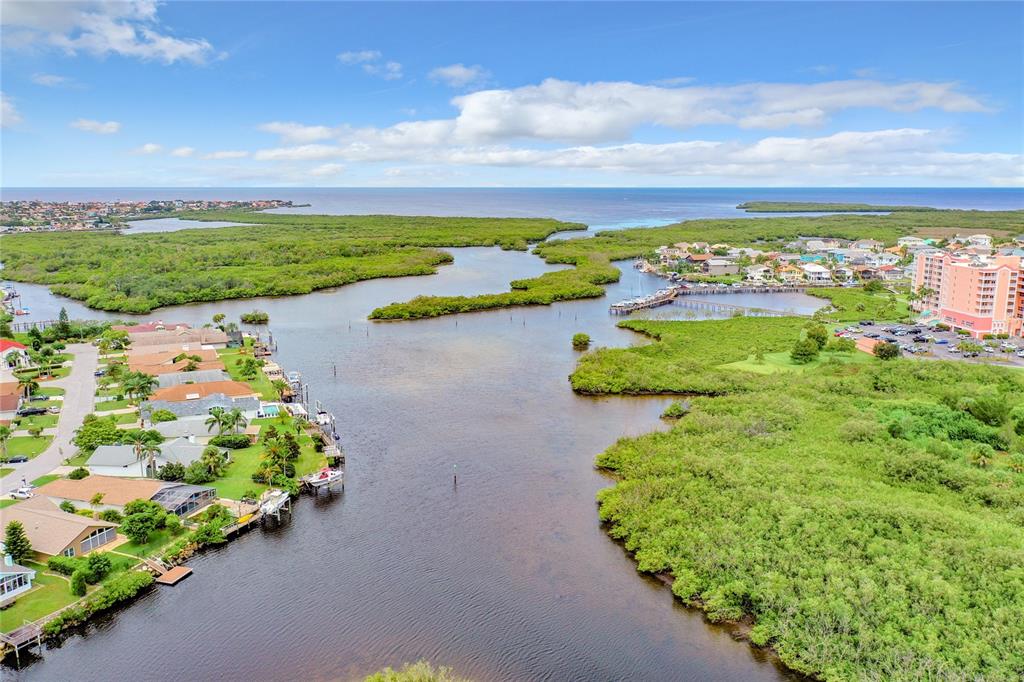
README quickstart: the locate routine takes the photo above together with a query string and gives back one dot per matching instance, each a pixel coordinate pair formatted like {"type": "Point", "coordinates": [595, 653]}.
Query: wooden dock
{"type": "Point", "coordinates": [174, 575]}
{"type": "Point", "coordinates": [704, 291]}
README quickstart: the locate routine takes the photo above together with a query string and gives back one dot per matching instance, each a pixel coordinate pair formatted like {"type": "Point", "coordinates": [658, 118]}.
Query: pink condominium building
{"type": "Point", "coordinates": [980, 294]}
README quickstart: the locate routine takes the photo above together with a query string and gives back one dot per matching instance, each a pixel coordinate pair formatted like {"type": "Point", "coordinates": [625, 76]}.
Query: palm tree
{"type": "Point", "coordinates": [216, 419]}
{"type": "Point", "coordinates": [149, 450]}
{"type": "Point", "coordinates": [213, 460]}
{"type": "Point", "coordinates": [275, 457]}
{"type": "Point", "coordinates": [235, 420]}
{"type": "Point", "coordinates": [28, 385]}
{"type": "Point", "coordinates": [5, 433]}
{"type": "Point", "coordinates": [139, 385]}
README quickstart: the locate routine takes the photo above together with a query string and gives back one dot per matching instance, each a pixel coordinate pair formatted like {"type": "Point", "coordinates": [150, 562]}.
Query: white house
{"type": "Point", "coordinates": [842, 273]}
{"type": "Point", "coordinates": [758, 273]}
{"type": "Point", "coordinates": [910, 242]}
{"type": "Point", "coordinates": [816, 274]}
{"type": "Point", "coordinates": [14, 579]}
{"type": "Point", "coordinates": [868, 245]}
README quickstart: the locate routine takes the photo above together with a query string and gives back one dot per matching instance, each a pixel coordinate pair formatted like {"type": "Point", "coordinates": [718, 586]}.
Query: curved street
{"type": "Point", "coordinates": [79, 400]}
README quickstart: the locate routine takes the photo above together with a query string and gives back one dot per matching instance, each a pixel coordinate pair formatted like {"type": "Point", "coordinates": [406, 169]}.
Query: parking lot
{"type": "Point", "coordinates": [921, 342]}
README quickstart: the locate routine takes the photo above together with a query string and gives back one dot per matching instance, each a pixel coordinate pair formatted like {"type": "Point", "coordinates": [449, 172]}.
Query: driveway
{"type": "Point", "coordinates": [79, 396]}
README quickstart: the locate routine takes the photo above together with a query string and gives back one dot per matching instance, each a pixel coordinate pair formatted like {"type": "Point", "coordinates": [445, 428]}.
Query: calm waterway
{"type": "Point", "coordinates": [508, 576]}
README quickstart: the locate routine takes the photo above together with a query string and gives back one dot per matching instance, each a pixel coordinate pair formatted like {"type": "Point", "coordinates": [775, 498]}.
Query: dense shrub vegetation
{"type": "Point", "coordinates": [868, 518]}
{"type": "Point", "coordinates": [119, 589]}
{"type": "Point", "coordinates": [592, 257]}
{"type": "Point", "coordinates": [281, 254]}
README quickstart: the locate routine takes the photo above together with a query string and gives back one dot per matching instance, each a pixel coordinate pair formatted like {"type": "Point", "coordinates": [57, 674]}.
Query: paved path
{"type": "Point", "coordinates": [79, 396]}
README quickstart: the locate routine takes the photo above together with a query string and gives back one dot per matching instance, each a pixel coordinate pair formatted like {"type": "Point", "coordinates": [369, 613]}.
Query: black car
{"type": "Point", "coordinates": [866, 323]}
{"type": "Point", "coordinates": [99, 372]}
{"type": "Point", "coordinates": [920, 339]}
{"type": "Point", "coordinates": [31, 411]}
{"type": "Point", "coordinates": [892, 339]}
{"type": "Point", "coordinates": [872, 335]}
{"type": "Point", "coordinates": [17, 459]}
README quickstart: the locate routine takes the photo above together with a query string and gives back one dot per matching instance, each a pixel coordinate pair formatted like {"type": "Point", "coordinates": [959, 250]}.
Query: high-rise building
{"type": "Point", "coordinates": [980, 294]}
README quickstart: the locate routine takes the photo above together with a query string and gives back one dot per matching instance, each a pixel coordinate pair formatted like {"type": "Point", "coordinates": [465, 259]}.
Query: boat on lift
{"type": "Point", "coordinates": [323, 478]}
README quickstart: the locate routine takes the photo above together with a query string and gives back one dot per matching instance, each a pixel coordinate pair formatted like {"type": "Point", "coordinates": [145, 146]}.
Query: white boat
{"type": "Point", "coordinates": [324, 477]}
{"type": "Point", "coordinates": [323, 418]}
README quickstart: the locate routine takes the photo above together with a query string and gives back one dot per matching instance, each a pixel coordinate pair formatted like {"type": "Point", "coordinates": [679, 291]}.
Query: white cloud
{"type": "Point", "coordinates": [148, 148]}
{"type": "Point", "coordinates": [604, 112]}
{"type": "Point", "coordinates": [459, 75]}
{"type": "Point", "coordinates": [359, 56]}
{"type": "Point", "coordinates": [230, 154]}
{"type": "Point", "coordinates": [9, 115]}
{"type": "Point", "coordinates": [128, 28]}
{"type": "Point", "coordinates": [327, 169]}
{"type": "Point", "coordinates": [291, 132]}
{"type": "Point", "coordinates": [372, 63]}
{"type": "Point", "coordinates": [50, 80]}
{"type": "Point", "coordinates": [183, 152]}
{"type": "Point", "coordinates": [306, 152]}
{"type": "Point", "coordinates": [98, 127]}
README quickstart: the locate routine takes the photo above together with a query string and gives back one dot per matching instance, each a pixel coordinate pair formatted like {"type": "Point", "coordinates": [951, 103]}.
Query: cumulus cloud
{"type": "Point", "coordinates": [98, 127]}
{"type": "Point", "coordinates": [567, 111]}
{"type": "Point", "coordinates": [130, 28]}
{"type": "Point", "coordinates": [372, 62]}
{"type": "Point", "coordinates": [228, 154]}
{"type": "Point", "coordinates": [459, 75]}
{"type": "Point", "coordinates": [183, 152]}
{"type": "Point", "coordinates": [148, 148]}
{"type": "Point", "coordinates": [9, 115]}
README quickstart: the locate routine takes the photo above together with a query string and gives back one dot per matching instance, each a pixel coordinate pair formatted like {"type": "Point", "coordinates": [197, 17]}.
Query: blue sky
{"type": "Point", "coordinates": [516, 94]}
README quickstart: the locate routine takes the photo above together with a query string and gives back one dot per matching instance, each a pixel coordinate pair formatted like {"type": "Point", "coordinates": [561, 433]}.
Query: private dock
{"type": "Point", "coordinates": [174, 575]}
{"type": "Point", "coordinates": [752, 289]}
{"type": "Point", "coordinates": [658, 298]}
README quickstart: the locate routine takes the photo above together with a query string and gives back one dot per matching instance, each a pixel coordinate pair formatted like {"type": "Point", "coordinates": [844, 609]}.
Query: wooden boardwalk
{"type": "Point", "coordinates": [703, 291]}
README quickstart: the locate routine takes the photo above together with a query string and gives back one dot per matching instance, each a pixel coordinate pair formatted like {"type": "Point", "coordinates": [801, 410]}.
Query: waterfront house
{"type": "Point", "coordinates": [176, 498]}
{"type": "Point", "coordinates": [182, 392]}
{"type": "Point", "coordinates": [790, 274]}
{"type": "Point", "coordinates": [14, 579]}
{"type": "Point", "coordinates": [982, 240]}
{"type": "Point", "coordinates": [816, 275]}
{"type": "Point", "coordinates": [121, 460]}
{"type": "Point", "coordinates": [877, 260]}
{"type": "Point", "coordinates": [249, 406]}
{"type": "Point", "coordinates": [719, 266]}
{"type": "Point", "coordinates": [54, 532]}
{"type": "Point", "coordinates": [842, 273]}
{"type": "Point", "coordinates": [890, 273]}
{"type": "Point", "coordinates": [179, 340]}
{"type": "Point", "coordinates": [758, 273]}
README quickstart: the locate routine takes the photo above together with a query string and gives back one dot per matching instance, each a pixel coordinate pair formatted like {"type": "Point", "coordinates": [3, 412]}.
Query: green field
{"type": "Point", "coordinates": [43, 421]}
{"type": "Point", "coordinates": [231, 357]}
{"type": "Point", "coordinates": [865, 519]}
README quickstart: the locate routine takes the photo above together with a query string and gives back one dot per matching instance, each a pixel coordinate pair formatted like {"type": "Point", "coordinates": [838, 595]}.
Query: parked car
{"type": "Point", "coordinates": [866, 323]}
{"type": "Point", "coordinates": [941, 342]}
{"type": "Point", "coordinates": [872, 335]}
{"type": "Point", "coordinates": [39, 398]}
{"type": "Point", "coordinates": [99, 372]}
{"type": "Point", "coordinates": [31, 411]}
{"type": "Point", "coordinates": [17, 459]}
{"type": "Point", "coordinates": [954, 349]}
{"type": "Point", "coordinates": [920, 339]}
{"type": "Point", "coordinates": [22, 494]}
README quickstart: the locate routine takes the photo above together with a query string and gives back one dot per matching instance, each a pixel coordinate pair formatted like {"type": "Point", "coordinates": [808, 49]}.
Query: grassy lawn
{"type": "Point", "coordinates": [126, 418]}
{"type": "Point", "coordinates": [247, 460]}
{"type": "Point", "coordinates": [231, 357]}
{"type": "Point", "coordinates": [43, 480]}
{"type": "Point", "coordinates": [156, 541]}
{"type": "Point", "coordinates": [43, 421]}
{"type": "Point", "coordinates": [7, 502]}
{"type": "Point", "coordinates": [48, 594]}
{"type": "Point", "coordinates": [108, 391]}
{"type": "Point", "coordinates": [49, 391]}
{"type": "Point", "coordinates": [57, 373]}
{"type": "Point", "coordinates": [27, 445]}
{"type": "Point", "coordinates": [108, 405]}
{"type": "Point", "coordinates": [79, 460]}
{"type": "Point", "coordinates": [781, 362]}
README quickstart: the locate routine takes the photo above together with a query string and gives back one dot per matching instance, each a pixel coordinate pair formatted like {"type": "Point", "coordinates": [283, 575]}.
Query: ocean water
{"type": "Point", "coordinates": [600, 208]}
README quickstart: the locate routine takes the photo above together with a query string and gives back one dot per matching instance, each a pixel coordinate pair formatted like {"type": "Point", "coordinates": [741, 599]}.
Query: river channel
{"type": "Point", "coordinates": [507, 575]}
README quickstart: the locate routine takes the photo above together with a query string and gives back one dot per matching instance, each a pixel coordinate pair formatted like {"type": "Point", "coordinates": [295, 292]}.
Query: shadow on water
{"type": "Point", "coordinates": [506, 576]}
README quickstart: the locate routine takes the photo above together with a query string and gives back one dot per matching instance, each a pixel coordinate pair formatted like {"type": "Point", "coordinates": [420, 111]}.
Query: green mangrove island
{"type": "Point", "coordinates": [864, 520]}
{"type": "Point", "coordinates": [816, 207]}
{"type": "Point", "coordinates": [274, 255]}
